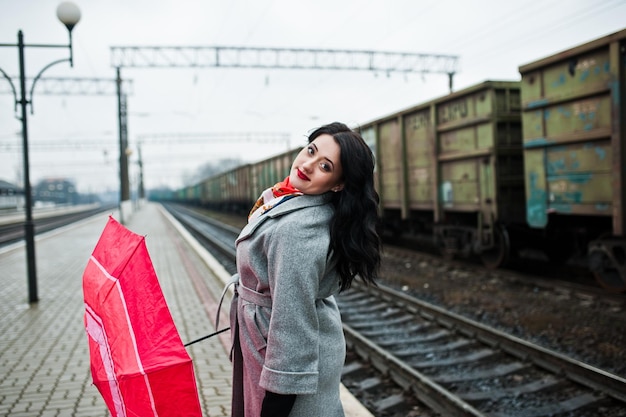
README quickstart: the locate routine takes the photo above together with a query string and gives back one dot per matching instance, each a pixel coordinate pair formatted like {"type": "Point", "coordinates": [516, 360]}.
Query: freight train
{"type": "Point", "coordinates": [497, 167]}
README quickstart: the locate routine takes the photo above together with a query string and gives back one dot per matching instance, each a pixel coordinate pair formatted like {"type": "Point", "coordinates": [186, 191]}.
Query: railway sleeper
{"type": "Point", "coordinates": [367, 305]}
{"type": "Point", "coordinates": [416, 338]}
{"type": "Point", "coordinates": [421, 350]}
{"type": "Point", "coordinates": [368, 317]}
{"type": "Point", "coordinates": [470, 357]}
{"type": "Point", "coordinates": [382, 321]}
{"type": "Point", "coordinates": [532, 387]}
{"type": "Point", "coordinates": [369, 384]}
{"type": "Point", "coordinates": [353, 370]}
{"type": "Point", "coordinates": [555, 407]}
{"type": "Point", "coordinates": [478, 374]}
{"type": "Point", "coordinates": [387, 332]}
{"type": "Point", "coordinates": [391, 404]}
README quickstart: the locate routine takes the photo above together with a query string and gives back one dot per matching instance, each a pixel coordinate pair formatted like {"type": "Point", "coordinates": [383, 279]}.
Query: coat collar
{"type": "Point", "coordinates": [293, 204]}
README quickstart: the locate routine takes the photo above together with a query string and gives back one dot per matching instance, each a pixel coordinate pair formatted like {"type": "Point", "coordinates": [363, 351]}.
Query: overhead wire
{"type": "Point", "coordinates": [506, 44]}
{"type": "Point", "coordinates": [250, 32]}
{"type": "Point", "coordinates": [307, 88]}
{"type": "Point", "coordinates": [291, 100]}
{"type": "Point", "coordinates": [563, 22]}
{"type": "Point", "coordinates": [504, 21]}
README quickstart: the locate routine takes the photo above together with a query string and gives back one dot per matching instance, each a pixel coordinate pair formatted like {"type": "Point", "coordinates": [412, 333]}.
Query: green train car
{"type": "Point", "coordinates": [236, 190]}
{"type": "Point", "coordinates": [228, 191]}
{"type": "Point", "coordinates": [268, 172]}
{"type": "Point", "coordinates": [450, 170]}
{"type": "Point", "coordinates": [574, 124]}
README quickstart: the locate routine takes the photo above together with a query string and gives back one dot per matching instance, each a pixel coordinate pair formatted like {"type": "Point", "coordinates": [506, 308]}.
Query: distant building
{"type": "Point", "coordinates": [56, 191]}
{"type": "Point", "coordinates": [11, 196]}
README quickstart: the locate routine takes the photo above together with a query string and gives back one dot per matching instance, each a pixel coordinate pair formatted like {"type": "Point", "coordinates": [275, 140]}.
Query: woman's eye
{"type": "Point", "coordinates": [325, 167]}
{"type": "Point", "coordinates": [310, 150]}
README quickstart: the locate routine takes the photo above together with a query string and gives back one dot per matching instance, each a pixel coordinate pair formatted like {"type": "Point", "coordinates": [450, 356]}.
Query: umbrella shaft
{"type": "Point", "coordinates": [206, 337]}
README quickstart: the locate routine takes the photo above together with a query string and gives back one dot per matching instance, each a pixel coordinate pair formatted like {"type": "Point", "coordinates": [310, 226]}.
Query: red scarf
{"type": "Point", "coordinates": [273, 196]}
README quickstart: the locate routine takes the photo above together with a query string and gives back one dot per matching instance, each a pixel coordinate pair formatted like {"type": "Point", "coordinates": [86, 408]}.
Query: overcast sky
{"type": "Point", "coordinates": [492, 38]}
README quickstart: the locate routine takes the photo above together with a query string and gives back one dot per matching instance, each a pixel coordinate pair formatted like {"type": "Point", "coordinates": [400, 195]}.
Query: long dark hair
{"type": "Point", "coordinates": [354, 241]}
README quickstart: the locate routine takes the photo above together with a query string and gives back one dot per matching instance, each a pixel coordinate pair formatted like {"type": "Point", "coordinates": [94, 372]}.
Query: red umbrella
{"type": "Point", "coordinates": [138, 362]}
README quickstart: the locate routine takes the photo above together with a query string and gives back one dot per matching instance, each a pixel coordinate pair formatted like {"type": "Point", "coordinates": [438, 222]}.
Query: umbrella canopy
{"type": "Point", "coordinates": [138, 362]}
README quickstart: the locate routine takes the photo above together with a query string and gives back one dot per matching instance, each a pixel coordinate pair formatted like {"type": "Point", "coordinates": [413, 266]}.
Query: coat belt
{"type": "Point", "coordinates": [251, 296]}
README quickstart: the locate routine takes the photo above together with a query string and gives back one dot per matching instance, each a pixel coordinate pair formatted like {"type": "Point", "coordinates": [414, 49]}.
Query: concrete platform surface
{"type": "Point", "coordinates": [44, 357]}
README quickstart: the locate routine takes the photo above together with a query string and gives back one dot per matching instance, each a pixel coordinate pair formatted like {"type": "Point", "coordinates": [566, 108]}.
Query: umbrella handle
{"type": "Point", "coordinates": [233, 280]}
{"type": "Point", "coordinates": [206, 337]}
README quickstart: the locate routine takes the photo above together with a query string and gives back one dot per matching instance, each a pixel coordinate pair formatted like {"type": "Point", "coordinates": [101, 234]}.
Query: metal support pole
{"type": "Point", "coordinates": [29, 228]}
{"type": "Point", "coordinates": [123, 143]}
{"type": "Point", "coordinates": [142, 193]}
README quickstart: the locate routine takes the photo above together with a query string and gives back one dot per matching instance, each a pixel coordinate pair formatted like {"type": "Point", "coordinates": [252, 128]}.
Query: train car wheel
{"type": "Point", "coordinates": [497, 256]}
{"type": "Point", "coordinates": [611, 279]}
{"type": "Point", "coordinates": [608, 263]}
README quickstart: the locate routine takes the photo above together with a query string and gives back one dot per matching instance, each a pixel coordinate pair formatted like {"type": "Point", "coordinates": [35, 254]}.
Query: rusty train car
{"type": "Point", "coordinates": [497, 167]}
{"type": "Point", "coordinates": [451, 169]}
{"type": "Point", "coordinates": [574, 124]}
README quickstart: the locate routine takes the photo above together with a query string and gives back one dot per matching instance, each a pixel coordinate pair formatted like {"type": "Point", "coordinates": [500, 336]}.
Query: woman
{"type": "Point", "coordinates": [307, 238]}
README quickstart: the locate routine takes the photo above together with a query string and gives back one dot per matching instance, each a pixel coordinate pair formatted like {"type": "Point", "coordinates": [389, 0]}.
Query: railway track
{"type": "Point", "coordinates": [218, 238]}
{"type": "Point", "coordinates": [417, 356]}
{"type": "Point", "coordinates": [11, 232]}
{"type": "Point", "coordinates": [461, 368]}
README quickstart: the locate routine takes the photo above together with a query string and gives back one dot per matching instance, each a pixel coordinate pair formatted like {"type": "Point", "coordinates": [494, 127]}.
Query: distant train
{"type": "Point", "coordinates": [497, 167]}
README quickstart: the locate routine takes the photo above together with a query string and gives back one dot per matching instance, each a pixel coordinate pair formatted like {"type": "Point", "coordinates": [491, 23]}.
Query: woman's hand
{"type": "Point", "coordinates": [277, 405]}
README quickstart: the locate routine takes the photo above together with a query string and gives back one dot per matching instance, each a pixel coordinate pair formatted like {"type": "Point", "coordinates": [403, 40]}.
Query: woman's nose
{"type": "Point", "coordinates": [306, 166]}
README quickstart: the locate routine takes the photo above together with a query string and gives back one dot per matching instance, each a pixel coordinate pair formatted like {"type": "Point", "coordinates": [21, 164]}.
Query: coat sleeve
{"type": "Point", "coordinates": [296, 260]}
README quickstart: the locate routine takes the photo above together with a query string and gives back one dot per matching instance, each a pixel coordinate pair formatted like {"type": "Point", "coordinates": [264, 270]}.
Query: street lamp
{"type": "Point", "coordinates": [69, 14]}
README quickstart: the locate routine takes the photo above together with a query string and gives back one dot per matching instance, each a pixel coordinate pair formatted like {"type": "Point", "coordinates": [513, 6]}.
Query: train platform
{"type": "Point", "coordinates": [44, 356]}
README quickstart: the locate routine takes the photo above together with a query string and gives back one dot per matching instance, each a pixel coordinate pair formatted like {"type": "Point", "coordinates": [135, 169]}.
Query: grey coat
{"type": "Point", "coordinates": [289, 338]}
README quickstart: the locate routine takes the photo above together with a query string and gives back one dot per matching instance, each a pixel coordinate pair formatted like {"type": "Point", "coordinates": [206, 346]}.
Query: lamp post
{"type": "Point", "coordinates": [69, 14]}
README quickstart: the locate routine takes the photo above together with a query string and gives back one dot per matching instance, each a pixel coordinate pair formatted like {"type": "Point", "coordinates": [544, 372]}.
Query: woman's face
{"type": "Point", "coordinates": [317, 168]}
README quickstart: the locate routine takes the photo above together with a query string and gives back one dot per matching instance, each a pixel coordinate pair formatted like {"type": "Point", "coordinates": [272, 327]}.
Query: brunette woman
{"type": "Point", "coordinates": [307, 239]}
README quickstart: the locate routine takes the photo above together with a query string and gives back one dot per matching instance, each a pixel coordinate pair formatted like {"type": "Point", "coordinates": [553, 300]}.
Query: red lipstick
{"type": "Point", "coordinates": [302, 176]}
